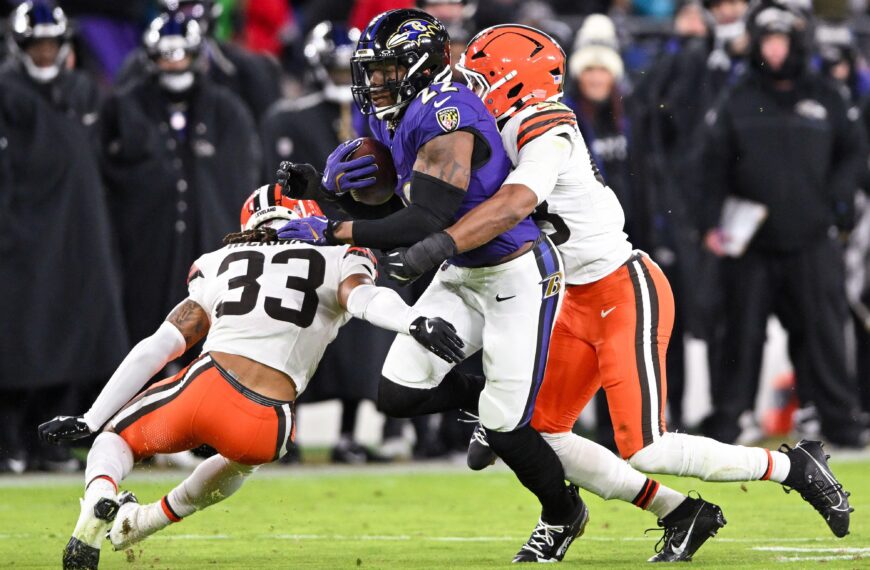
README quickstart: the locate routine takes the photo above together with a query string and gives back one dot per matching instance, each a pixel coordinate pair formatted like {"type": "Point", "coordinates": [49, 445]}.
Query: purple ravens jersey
{"type": "Point", "coordinates": [443, 108]}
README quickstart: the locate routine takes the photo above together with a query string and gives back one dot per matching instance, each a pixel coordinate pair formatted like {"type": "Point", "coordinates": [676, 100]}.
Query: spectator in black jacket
{"type": "Point", "coordinates": [180, 154]}
{"type": "Point", "coordinates": [840, 60]}
{"type": "Point", "coordinates": [254, 77]}
{"type": "Point", "coordinates": [63, 331]}
{"type": "Point", "coordinates": [783, 138]}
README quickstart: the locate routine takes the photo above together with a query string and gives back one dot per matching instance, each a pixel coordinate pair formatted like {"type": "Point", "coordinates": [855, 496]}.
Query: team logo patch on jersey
{"type": "Point", "coordinates": [448, 119]}
{"type": "Point", "coordinates": [552, 284]}
{"type": "Point", "coordinates": [412, 31]}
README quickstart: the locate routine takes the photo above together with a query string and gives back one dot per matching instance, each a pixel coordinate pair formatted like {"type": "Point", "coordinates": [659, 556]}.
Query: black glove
{"type": "Point", "coordinates": [299, 181]}
{"type": "Point", "coordinates": [439, 337]}
{"type": "Point", "coordinates": [63, 428]}
{"type": "Point", "coordinates": [407, 265]}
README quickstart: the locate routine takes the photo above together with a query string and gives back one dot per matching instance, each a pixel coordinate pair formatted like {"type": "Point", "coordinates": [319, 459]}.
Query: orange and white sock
{"type": "Point", "coordinates": [658, 499]}
{"type": "Point", "coordinates": [778, 466]}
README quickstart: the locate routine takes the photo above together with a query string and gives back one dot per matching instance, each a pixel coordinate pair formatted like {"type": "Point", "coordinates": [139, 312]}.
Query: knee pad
{"type": "Point", "coordinates": [398, 401]}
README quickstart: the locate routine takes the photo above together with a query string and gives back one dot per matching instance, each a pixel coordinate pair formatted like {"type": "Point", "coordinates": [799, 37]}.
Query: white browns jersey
{"type": "Point", "coordinates": [276, 303]}
{"type": "Point", "coordinates": [580, 214]}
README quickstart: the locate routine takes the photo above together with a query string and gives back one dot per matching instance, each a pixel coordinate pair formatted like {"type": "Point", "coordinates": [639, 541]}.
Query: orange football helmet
{"type": "Point", "coordinates": [267, 203]}
{"type": "Point", "coordinates": [512, 66]}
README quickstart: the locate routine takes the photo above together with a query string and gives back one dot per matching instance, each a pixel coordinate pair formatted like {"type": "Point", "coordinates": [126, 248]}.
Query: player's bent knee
{"type": "Point", "coordinates": [411, 365]}
{"type": "Point", "coordinates": [556, 440]}
{"type": "Point", "coordinates": [665, 455]}
{"type": "Point", "coordinates": [651, 459]}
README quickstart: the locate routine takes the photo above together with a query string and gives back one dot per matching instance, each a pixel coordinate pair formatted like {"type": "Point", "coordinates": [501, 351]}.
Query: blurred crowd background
{"type": "Point", "coordinates": [131, 132]}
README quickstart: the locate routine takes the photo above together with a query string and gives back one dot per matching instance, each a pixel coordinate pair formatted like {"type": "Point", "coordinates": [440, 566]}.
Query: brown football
{"type": "Point", "coordinates": [385, 178]}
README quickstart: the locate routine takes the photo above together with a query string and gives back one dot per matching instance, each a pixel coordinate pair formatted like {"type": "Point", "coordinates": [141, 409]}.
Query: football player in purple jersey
{"type": "Point", "coordinates": [502, 297]}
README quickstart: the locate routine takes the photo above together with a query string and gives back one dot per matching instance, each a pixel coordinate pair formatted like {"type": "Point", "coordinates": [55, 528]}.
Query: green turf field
{"type": "Point", "coordinates": [428, 519]}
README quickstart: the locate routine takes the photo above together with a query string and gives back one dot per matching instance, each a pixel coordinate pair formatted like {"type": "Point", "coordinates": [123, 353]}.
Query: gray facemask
{"type": "Point", "coordinates": [176, 82]}
{"type": "Point", "coordinates": [49, 73]}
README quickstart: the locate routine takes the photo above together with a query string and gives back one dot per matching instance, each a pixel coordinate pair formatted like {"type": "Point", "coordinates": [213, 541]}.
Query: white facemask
{"type": "Point", "coordinates": [41, 74]}
{"type": "Point", "coordinates": [49, 73]}
{"type": "Point", "coordinates": [177, 82]}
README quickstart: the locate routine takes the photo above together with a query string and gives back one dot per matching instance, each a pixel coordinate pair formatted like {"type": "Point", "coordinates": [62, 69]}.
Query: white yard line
{"type": "Point", "coordinates": [849, 550]}
{"type": "Point", "coordinates": [818, 558]}
{"type": "Point", "coordinates": [191, 536]}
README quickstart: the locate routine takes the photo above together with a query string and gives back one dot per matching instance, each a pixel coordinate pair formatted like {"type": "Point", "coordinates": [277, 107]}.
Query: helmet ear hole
{"type": "Point", "coordinates": [515, 90]}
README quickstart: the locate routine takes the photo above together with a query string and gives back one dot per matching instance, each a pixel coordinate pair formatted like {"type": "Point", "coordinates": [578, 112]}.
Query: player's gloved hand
{"type": "Point", "coordinates": [407, 265]}
{"type": "Point", "coordinates": [63, 428]}
{"type": "Point", "coordinates": [439, 337]}
{"type": "Point", "coordinates": [316, 230]}
{"type": "Point", "coordinates": [298, 181]}
{"type": "Point", "coordinates": [342, 175]}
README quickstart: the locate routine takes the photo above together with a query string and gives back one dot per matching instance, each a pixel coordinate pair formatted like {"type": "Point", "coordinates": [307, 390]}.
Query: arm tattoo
{"type": "Point", "coordinates": [448, 158]}
{"type": "Point", "coordinates": [190, 319]}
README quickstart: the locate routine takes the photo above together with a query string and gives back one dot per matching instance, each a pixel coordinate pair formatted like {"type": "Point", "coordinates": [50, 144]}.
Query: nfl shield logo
{"type": "Point", "coordinates": [448, 118]}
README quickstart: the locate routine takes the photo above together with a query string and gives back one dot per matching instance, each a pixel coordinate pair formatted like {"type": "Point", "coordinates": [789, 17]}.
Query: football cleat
{"type": "Point", "coordinates": [94, 520]}
{"type": "Point", "coordinates": [550, 542]}
{"type": "Point", "coordinates": [686, 529]}
{"type": "Point", "coordinates": [80, 556]}
{"type": "Point", "coordinates": [813, 479]}
{"type": "Point", "coordinates": [128, 524]}
{"type": "Point", "coordinates": [480, 454]}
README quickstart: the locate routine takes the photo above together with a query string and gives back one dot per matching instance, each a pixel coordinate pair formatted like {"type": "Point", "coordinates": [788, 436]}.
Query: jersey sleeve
{"type": "Point", "coordinates": [449, 110]}
{"type": "Point", "coordinates": [539, 163]}
{"type": "Point", "coordinates": [549, 119]}
{"type": "Point", "coordinates": [196, 283]}
{"type": "Point", "coordinates": [358, 260]}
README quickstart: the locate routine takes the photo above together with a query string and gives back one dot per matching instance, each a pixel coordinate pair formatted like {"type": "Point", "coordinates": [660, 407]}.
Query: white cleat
{"type": "Point", "coordinates": [135, 522]}
{"type": "Point", "coordinates": [126, 532]}
{"type": "Point", "coordinates": [82, 552]}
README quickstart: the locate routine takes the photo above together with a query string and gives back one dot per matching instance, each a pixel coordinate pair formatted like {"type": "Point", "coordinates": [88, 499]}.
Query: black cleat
{"type": "Point", "coordinates": [80, 556]}
{"type": "Point", "coordinates": [686, 529]}
{"type": "Point", "coordinates": [813, 479]}
{"type": "Point", "coordinates": [480, 454]}
{"type": "Point", "coordinates": [548, 542]}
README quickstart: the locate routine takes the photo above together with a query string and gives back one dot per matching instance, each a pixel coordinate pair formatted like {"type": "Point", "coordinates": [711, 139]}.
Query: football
{"type": "Point", "coordinates": [385, 178]}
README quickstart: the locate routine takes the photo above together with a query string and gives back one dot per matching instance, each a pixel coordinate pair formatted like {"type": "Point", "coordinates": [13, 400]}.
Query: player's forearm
{"type": "Point", "coordinates": [433, 208]}
{"type": "Point", "coordinates": [508, 207]}
{"type": "Point", "coordinates": [145, 360]}
{"type": "Point", "coordinates": [381, 307]}
{"type": "Point", "coordinates": [360, 211]}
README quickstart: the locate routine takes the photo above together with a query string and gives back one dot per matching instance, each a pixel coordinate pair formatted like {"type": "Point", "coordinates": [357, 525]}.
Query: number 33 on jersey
{"type": "Point", "coordinates": [260, 297]}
